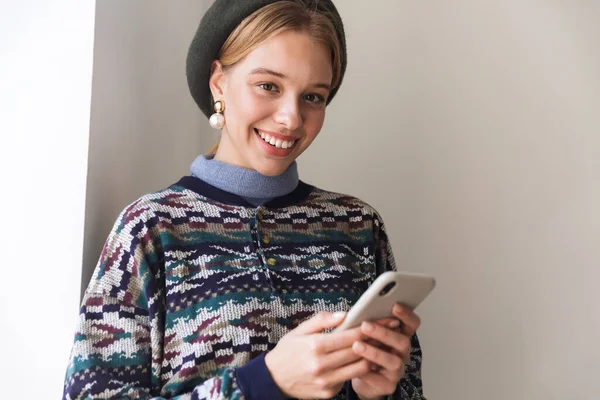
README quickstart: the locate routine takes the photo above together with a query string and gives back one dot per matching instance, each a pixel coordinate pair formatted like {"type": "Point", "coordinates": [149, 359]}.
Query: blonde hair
{"type": "Point", "coordinates": [274, 19]}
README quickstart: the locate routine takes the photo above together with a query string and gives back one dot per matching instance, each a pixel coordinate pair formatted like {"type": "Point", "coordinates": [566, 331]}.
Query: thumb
{"type": "Point", "coordinates": [319, 322]}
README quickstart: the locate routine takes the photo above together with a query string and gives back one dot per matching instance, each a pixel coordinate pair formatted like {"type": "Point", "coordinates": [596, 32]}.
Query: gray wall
{"type": "Point", "coordinates": [145, 127]}
{"type": "Point", "coordinates": [472, 126]}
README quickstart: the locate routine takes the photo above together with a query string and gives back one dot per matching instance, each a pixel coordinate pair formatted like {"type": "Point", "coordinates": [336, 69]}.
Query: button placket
{"type": "Point", "coordinates": [253, 232]}
{"type": "Point", "coordinates": [254, 244]}
{"type": "Point", "coordinates": [262, 240]}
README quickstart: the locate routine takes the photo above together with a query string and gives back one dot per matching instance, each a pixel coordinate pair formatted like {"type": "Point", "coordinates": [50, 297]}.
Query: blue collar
{"type": "Point", "coordinates": [244, 182]}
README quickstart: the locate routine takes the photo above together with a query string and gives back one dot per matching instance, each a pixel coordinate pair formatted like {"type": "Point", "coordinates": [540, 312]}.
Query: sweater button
{"type": "Point", "coordinates": [272, 262]}
{"type": "Point", "coordinates": [266, 239]}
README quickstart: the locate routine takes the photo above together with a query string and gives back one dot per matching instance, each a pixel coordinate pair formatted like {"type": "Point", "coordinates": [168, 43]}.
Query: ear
{"type": "Point", "coordinates": [217, 80]}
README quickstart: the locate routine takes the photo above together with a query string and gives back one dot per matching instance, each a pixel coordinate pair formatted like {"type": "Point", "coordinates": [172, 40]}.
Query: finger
{"type": "Point", "coordinates": [378, 344]}
{"type": "Point", "coordinates": [347, 372]}
{"type": "Point", "coordinates": [390, 322]}
{"type": "Point", "coordinates": [372, 342]}
{"type": "Point", "coordinates": [410, 320]}
{"type": "Point", "coordinates": [388, 337]}
{"type": "Point", "coordinates": [381, 346]}
{"type": "Point", "coordinates": [320, 322]}
{"type": "Point", "coordinates": [330, 342]}
{"type": "Point", "coordinates": [404, 356]}
{"type": "Point", "coordinates": [336, 360]}
{"type": "Point", "coordinates": [386, 360]}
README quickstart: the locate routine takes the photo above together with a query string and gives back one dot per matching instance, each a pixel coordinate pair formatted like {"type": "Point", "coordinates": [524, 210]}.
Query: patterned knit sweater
{"type": "Point", "coordinates": [194, 285]}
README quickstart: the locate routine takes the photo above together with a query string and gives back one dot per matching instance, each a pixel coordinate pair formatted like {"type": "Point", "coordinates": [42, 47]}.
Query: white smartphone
{"type": "Point", "coordinates": [391, 287]}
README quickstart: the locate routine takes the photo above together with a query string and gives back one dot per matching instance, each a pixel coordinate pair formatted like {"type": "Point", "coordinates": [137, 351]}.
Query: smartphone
{"type": "Point", "coordinates": [391, 287]}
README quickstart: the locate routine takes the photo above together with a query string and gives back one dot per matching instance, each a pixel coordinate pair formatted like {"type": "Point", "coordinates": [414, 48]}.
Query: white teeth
{"type": "Point", "coordinates": [280, 144]}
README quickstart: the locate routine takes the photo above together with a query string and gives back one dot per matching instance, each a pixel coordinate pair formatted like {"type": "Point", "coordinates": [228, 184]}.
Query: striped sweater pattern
{"type": "Point", "coordinates": [193, 287]}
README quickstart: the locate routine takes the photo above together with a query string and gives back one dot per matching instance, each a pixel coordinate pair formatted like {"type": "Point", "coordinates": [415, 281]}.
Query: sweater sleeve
{"type": "Point", "coordinates": [118, 347]}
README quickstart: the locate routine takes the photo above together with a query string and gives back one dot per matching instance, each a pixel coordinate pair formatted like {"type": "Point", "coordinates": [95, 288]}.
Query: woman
{"type": "Point", "coordinates": [225, 284]}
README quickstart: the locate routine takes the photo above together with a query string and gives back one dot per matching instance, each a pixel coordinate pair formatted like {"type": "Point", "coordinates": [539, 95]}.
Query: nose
{"type": "Point", "coordinates": [289, 114]}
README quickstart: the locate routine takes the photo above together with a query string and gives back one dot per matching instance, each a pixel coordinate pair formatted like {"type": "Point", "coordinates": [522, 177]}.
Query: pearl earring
{"type": "Point", "coordinates": [217, 120]}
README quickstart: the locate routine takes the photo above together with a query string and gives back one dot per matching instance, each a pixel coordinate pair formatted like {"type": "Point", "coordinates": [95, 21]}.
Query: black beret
{"type": "Point", "coordinates": [215, 27]}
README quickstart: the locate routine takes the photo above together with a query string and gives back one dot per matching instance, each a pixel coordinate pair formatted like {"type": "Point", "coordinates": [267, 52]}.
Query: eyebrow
{"type": "Point", "coordinates": [258, 71]}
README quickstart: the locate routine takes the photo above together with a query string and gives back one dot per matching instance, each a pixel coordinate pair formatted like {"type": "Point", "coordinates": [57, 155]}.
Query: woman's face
{"type": "Point", "coordinates": [274, 102]}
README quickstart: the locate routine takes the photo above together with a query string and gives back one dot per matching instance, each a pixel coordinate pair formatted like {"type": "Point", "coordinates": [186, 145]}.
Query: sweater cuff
{"type": "Point", "coordinates": [255, 380]}
{"type": "Point", "coordinates": [350, 394]}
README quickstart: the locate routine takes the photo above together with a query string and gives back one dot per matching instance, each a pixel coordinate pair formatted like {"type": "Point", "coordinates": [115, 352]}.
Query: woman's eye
{"type": "Point", "coordinates": [269, 87]}
{"type": "Point", "coordinates": [314, 98]}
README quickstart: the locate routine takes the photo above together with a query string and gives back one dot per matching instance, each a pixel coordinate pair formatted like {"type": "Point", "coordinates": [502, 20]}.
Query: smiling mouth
{"type": "Point", "coordinates": [275, 142]}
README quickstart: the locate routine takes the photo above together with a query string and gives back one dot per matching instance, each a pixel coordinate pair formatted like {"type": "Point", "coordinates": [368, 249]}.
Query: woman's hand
{"type": "Point", "coordinates": [390, 359]}
{"type": "Point", "coordinates": [307, 363]}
